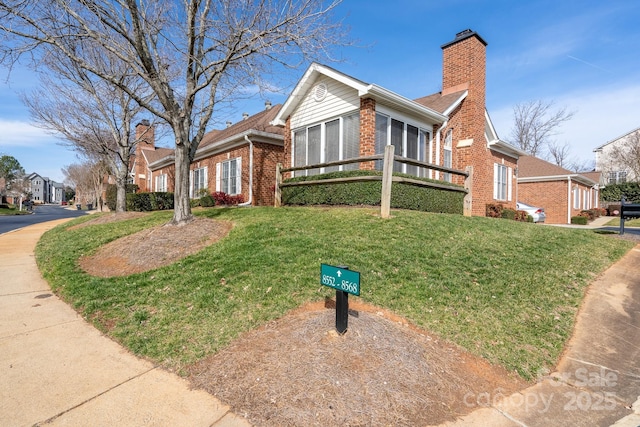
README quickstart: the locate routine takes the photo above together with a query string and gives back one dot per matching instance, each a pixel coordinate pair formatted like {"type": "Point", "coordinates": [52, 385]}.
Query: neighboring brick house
{"type": "Point", "coordinates": [613, 172]}
{"type": "Point", "coordinates": [560, 192]}
{"type": "Point", "coordinates": [146, 153]}
{"type": "Point", "coordinates": [238, 160]}
{"type": "Point", "coordinates": [331, 116]}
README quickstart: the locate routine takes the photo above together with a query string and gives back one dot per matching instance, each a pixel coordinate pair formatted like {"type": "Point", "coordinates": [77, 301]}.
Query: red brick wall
{"type": "Point", "coordinates": [367, 131]}
{"type": "Point", "coordinates": [553, 196]}
{"type": "Point", "coordinates": [170, 171]}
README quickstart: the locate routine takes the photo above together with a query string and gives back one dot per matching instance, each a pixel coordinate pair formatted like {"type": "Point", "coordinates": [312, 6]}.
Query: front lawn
{"type": "Point", "coordinates": [503, 290]}
{"type": "Point", "coordinates": [615, 222]}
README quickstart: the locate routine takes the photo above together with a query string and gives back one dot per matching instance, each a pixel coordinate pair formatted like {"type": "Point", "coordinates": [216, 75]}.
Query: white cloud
{"type": "Point", "coordinates": [18, 133]}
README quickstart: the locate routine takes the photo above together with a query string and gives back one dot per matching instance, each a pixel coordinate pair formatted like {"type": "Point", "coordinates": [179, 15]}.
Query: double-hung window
{"type": "Point", "coordinates": [576, 198]}
{"type": "Point", "coordinates": [161, 183]}
{"type": "Point", "coordinates": [502, 177]}
{"type": "Point", "coordinates": [228, 176]}
{"type": "Point", "coordinates": [198, 181]}
{"type": "Point", "coordinates": [329, 141]}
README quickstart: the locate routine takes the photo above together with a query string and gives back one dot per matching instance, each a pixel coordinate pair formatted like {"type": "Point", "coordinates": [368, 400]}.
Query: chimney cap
{"type": "Point", "coordinates": [144, 122]}
{"type": "Point", "coordinates": [463, 35]}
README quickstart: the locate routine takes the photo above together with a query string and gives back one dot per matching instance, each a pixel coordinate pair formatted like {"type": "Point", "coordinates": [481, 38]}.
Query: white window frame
{"type": "Point", "coordinates": [576, 198]}
{"type": "Point", "coordinates": [447, 160]}
{"type": "Point", "coordinates": [423, 141]}
{"type": "Point", "coordinates": [502, 182]}
{"type": "Point", "coordinates": [161, 183]}
{"type": "Point", "coordinates": [304, 132]}
{"type": "Point", "coordinates": [201, 175]}
{"type": "Point", "coordinates": [229, 184]}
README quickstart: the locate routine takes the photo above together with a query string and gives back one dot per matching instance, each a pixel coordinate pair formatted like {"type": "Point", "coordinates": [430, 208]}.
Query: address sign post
{"type": "Point", "coordinates": [345, 282]}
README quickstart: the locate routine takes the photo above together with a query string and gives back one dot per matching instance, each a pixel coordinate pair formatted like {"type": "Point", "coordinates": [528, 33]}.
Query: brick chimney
{"type": "Point", "coordinates": [145, 136]}
{"type": "Point", "coordinates": [464, 68]}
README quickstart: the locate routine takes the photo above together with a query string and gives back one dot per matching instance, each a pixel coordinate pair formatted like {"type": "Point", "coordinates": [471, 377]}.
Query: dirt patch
{"type": "Point", "coordinates": [106, 219]}
{"type": "Point", "coordinates": [153, 247]}
{"type": "Point", "coordinates": [298, 371]}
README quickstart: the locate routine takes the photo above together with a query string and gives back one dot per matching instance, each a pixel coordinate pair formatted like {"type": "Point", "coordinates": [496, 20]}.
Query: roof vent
{"type": "Point", "coordinates": [267, 105]}
{"type": "Point", "coordinates": [229, 123]}
{"type": "Point", "coordinates": [245, 116]}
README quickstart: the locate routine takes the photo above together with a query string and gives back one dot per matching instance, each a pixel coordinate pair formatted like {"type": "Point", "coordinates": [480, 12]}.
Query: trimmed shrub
{"type": "Point", "coordinates": [403, 195]}
{"type": "Point", "coordinates": [522, 216]}
{"type": "Point", "coordinates": [579, 220]}
{"type": "Point", "coordinates": [207, 201]}
{"type": "Point", "coordinates": [614, 192]}
{"type": "Point", "coordinates": [111, 194]}
{"type": "Point", "coordinates": [225, 199]}
{"type": "Point", "coordinates": [146, 202]}
{"type": "Point", "coordinates": [508, 214]}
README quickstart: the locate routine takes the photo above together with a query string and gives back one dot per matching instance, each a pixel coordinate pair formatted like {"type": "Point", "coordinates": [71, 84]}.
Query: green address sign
{"type": "Point", "coordinates": [340, 278]}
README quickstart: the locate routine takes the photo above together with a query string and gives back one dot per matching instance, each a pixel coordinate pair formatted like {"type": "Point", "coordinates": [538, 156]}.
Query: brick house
{"type": "Point", "coordinates": [331, 116]}
{"type": "Point", "coordinates": [238, 160]}
{"type": "Point", "coordinates": [560, 192]}
{"type": "Point", "coordinates": [146, 153]}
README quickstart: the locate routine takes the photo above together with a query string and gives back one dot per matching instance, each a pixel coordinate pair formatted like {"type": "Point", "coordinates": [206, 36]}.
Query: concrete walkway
{"type": "Point", "coordinates": [597, 382]}
{"type": "Point", "coordinates": [56, 369]}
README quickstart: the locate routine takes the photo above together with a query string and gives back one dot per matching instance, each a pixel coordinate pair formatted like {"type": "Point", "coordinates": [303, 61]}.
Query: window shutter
{"type": "Point", "coordinates": [239, 175]}
{"type": "Point", "coordinates": [509, 183]}
{"type": "Point", "coordinates": [495, 181]}
{"type": "Point", "coordinates": [218, 176]}
{"type": "Point", "coordinates": [191, 184]}
{"type": "Point", "coordinates": [206, 178]}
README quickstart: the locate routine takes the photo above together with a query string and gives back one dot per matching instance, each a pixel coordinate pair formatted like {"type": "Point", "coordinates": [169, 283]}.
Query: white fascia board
{"type": "Point", "coordinates": [165, 161]}
{"type": "Point", "coordinates": [616, 139]}
{"type": "Point", "coordinates": [456, 103]}
{"type": "Point", "coordinates": [401, 103]}
{"type": "Point", "coordinates": [237, 141]}
{"type": "Point", "coordinates": [506, 148]}
{"type": "Point", "coordinates": [573, 177]}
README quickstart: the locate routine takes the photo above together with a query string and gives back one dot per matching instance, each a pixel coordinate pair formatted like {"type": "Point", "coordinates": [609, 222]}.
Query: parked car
{"type": "Point", "coordinates": [536, 213]}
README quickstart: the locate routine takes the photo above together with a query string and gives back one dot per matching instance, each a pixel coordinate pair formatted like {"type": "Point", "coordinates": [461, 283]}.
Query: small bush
{"type": "Point", "coordinates": [494, 210]}
{"type": "Point", "coordinates": [522, 216]}
{"type": "Point", "coordinates": [222, 198]}
{"type": "Point", "coordinates": [508, 214]}
{"type": "Point", "coordinates": [207, 201]}
{"type": "Point", "coordinates": [111, 194]}
{"type": "Point", "coordinates": [146, 202]}
{"type": "Point", "coordinates": [587, 214]}
{"type": "Point", "coordinates": [579, 220]}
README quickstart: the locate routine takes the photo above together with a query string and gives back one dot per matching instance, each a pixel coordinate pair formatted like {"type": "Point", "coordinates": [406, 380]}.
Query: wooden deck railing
{"type": "Point", "coordinates": [387, 178]}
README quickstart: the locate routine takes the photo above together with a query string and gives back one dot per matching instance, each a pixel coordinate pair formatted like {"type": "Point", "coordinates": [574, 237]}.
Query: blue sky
{"type": "Point", "coordinates": [583, 55]}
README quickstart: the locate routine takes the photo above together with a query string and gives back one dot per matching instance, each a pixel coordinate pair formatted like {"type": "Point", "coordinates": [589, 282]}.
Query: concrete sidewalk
{"type": "Point", "coordinates": [56, 369]}
{"type": "Point", "coordinates": [597, 382]}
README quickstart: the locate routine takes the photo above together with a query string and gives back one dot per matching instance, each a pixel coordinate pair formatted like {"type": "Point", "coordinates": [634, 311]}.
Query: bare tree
{"type": "Point", "coordinates": [191, 54]}
{"type": "Point", "coordinates": [535, 123]}
{"type": "Point", "coordinates": [559, 153]}
{"type": "Point", "coordinates": [88, 179]}
{"type": "Point", "coordinates": [625, 155]}
{"type": "Point", "coordinates": [92, 116]}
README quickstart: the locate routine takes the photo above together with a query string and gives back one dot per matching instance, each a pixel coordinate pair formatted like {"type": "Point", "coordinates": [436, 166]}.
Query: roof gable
{"type": "Point", "coordinates": [364, 90]}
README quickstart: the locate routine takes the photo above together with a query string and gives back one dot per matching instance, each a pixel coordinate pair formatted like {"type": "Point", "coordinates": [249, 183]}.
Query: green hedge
{"type": "Point", "coordinates": [614, 192]}
{"type": "Point", "coordinates": [403, 196]}
{"type": "Point", "coordinates": [111, 194]}
{"type": "Point", "coordinates": [145, 202]}
{"type": "Point", "coordinates": [579, 220]}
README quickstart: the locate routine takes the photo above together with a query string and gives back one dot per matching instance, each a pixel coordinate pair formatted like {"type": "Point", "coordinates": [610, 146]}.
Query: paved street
{"type": "Point", "coordinates": [41, 213]}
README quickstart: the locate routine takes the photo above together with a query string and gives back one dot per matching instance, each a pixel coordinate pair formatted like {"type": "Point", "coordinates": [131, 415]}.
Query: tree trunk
{"type": "Point", "coordinates": [121, 195]}
{"type": "Point", "coordinates": [182, 206]}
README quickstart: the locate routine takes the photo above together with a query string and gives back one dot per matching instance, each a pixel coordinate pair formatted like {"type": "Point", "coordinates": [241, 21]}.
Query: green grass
{"type": "Point", "coordinates": [615, 222]}
{"type": "Point", "coordinates": [12, 211]}
{"type": "Point", "coordinates": [506, 291]}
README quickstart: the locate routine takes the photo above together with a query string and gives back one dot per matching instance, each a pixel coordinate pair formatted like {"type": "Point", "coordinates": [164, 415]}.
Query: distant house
{"type": "Point", "coordinates": [238, 160]}
{"type": "Point", "coordinates": [612, 171]}
{"type": "Point", "coordinates": [560, 192]}
{"type": "Point", "coordinates": [44, 190]}
{"type": "Point", "coordinates": [332, 116]}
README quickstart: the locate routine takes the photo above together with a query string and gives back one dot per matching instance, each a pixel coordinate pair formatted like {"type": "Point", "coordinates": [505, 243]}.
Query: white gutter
{"type": "Point", "coordinates": [250, 201]}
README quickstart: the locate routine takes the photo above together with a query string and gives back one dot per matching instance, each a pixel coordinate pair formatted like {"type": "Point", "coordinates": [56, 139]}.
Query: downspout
{"type": "Point", "coordinates": [568, 199]}
{"type": "Point", "coordinates": [438, 132]}
{"type": "Point", "coordinates": [250, 201]}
